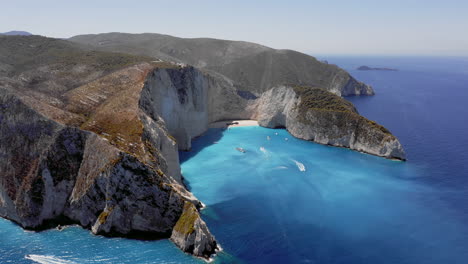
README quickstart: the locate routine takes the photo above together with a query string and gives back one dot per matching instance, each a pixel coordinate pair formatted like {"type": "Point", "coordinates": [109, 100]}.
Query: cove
{"type": "Point", "coordinates": [291, 201]}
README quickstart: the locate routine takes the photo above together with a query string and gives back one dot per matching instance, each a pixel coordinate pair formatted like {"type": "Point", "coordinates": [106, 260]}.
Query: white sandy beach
{"type": "Point", "coordinates": [224, 123]}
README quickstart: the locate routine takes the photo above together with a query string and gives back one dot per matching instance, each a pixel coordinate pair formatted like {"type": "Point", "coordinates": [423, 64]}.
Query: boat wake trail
{"type": "Point", "coordinates": [281, 168]}
{"type": "Point", "coordinates": [299, 165]}
{"type": "Point", "coordinates": [48, 259]}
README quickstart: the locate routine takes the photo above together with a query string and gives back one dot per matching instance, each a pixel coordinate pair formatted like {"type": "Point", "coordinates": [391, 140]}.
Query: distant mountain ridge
{"type": "Point", "coordinates": [16, 33]}
{"type": "Point", "coordinates": [253, 67]}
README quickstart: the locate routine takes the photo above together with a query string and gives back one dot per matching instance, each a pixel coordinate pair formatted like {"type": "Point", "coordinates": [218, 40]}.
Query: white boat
{"type": "Point", "coordinates": [241, 150]}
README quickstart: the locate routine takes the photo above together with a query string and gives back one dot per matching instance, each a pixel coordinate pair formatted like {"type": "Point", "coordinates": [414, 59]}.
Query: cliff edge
{"type": "Point", "coordinates": [320, 116]}
{"type": "Point", "coordinates": [92, 137]}
{"type": "Point", "coordinates": [190, 99]}
{"type": "Point", "coordinates": [82, 151]}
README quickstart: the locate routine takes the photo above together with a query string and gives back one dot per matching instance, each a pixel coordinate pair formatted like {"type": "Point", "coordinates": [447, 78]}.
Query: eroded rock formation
{"type": "Point", "coordinates": [308, 113]}
{"type": "Point", "coordinates": [91, 156]}
{"type": "Point", "coordinates": [317, 115]}
{"type": "Point", "coordinates": [92, 137]}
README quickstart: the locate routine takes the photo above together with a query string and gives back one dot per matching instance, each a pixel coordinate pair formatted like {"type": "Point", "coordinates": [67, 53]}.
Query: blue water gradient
{"type": "Point", "coordinates": [76, 245]}
{"type": "Point", "coordinates": [291, 201]}
{"type": "Point", "coordinates": [346, 207]}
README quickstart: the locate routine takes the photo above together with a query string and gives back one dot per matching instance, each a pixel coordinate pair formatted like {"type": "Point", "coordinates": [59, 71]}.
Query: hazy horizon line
{"type": "Point", "coordinates": [308, 52]}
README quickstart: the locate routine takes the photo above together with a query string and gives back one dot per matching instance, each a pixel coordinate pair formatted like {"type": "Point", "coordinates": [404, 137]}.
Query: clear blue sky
{"type": "Point", "coordinates": [415, 27]}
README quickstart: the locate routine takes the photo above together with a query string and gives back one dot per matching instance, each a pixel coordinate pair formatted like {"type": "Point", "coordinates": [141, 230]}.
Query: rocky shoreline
{"type": "Point", "coordinates": [92, 137]}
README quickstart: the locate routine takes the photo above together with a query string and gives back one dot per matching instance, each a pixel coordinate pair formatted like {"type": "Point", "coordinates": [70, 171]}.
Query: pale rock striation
{"type": "Point", "coordinates": [179, 97]}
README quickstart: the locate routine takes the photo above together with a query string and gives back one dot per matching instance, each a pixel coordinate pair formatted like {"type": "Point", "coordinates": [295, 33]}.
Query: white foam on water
{"type": "Point", "coordinates": [265, 152]}
{"type": "Point", "coordinates": [299, 165]}
{"type": "Point", "coordinates": [281, 168]}
{"type": "Point", "coordinates": [48, 259]}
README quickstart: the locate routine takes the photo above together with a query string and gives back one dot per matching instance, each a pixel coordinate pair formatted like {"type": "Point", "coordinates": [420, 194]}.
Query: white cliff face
{"type": "Point", "coordinates": [156, 133]}
{"type": "Point", "coordinates": [343, 84]}
{"type": "Point", "coordinates": [54, 174]}
{"type": "Point", "coordinates": [179, 97]}
{"type": "Point", "coordinates": [275, 106]}
{"type": "Point", "coordinates": [389, 147]}
{"type": "Point", "coordinates": [187, 100]}
{"type": "Point", "coordinates": [354, 87]}
{"type": "Point", "coordinates": [279, 107]}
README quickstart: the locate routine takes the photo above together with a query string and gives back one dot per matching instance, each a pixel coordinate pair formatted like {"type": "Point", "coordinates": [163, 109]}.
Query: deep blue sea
{"type": "Point", "coordinates": [292, 201]}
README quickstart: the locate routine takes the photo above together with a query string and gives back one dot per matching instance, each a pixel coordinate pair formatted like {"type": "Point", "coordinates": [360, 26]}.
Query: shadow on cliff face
{"type": "Point", "coordinates": [212, 136]}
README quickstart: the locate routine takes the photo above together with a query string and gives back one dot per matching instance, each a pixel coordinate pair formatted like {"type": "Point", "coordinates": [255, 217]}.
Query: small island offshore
{"type": "Point", "coordinates": [367, 68]}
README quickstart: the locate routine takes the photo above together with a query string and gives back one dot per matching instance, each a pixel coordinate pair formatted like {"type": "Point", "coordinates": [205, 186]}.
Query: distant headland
{"type": "Point", "coordinates": [367, 68]}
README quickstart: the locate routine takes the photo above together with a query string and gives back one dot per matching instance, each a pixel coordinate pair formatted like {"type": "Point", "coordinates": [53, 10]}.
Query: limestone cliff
{"type": "Point", "coordinates": [189, 100]}
{"type": "Point", "coordinates": [92, 137]}
{"type": "Point", "coordinates": [317, 115]}
{"type": "Point", "coordinates": [84, 152]}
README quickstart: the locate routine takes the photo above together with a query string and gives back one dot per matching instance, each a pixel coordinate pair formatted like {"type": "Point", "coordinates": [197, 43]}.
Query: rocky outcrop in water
{"type": "Point", "coordinates": [317, 115]}
{"type": "Point", "coordinates": [367, 68]}
{"type": "Point", "coordinates": [191, 234]}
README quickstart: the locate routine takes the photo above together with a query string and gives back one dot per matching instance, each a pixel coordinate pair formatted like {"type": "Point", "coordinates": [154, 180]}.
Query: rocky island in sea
{"type": "Point", "coordinates": [367, 68]}
{"type": "Point", "coordinates": [90, 127]}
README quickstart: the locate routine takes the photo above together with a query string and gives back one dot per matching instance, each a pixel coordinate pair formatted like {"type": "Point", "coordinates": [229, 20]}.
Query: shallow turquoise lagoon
{"type": "Point", "coordinates": [290, 201]}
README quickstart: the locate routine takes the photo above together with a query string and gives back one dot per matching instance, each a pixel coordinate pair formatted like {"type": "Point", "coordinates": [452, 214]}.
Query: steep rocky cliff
{"type": "Point", "coordinates": [188, 100]}
{"type": "Point", "coordinates": [92, 137]}
{"type": "Point", "coordinates": [193, 98]}
{"type": "Point", "coordinates": [84, 152]}
{"type": "Point", "coordinates": [320, 116]}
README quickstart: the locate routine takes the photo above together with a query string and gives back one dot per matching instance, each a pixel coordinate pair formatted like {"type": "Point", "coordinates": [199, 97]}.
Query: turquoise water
{"type": "Point", "coordinates": [76, 245]}
{"type": "Point", "coordinates": [291, 201]}
{"type": "Point", "coordinates": [348, 207]}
